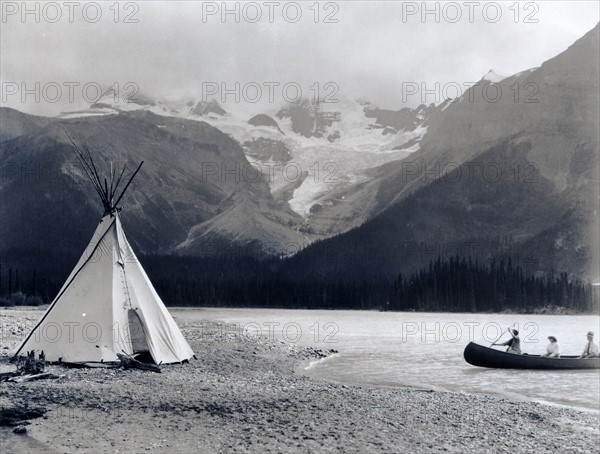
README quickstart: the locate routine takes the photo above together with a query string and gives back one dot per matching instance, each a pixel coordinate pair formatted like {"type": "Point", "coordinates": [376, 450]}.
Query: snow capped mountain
{"type": "Point", "coordinates": [306, 150]}
{"type": "Point", "coordinates": [550, 220]}
{"type": "Point", "coordinates": [320, 157]}
{"type": "Point", "coordinates": [312, 149]}
{"type": "Point", "coordinates": [313, 169]}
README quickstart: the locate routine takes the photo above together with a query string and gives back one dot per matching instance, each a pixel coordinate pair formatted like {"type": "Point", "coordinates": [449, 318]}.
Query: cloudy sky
{"type": "Point", "coordinates": [370, 50]}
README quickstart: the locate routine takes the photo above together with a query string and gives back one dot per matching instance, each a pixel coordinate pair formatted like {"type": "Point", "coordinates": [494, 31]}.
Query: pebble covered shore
{"type": "Point", "coordinates": [250, 396]}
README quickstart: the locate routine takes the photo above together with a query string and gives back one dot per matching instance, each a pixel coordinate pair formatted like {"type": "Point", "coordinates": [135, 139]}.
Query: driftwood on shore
{"type": "Point", "coordinates": [88, 365]}
{"type": "Point", "coordinates": [5, 376]}
{"type": "Point", "coordinates": [24, 378]}
{"type": "Point", "coordinates": [128, 362]}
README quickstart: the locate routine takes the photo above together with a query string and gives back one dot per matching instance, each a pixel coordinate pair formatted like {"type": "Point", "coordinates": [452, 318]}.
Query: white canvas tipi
{"type": "Point", "coordinates": [107, 305]}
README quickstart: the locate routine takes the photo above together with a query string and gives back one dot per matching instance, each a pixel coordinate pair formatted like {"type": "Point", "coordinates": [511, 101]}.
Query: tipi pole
{"type": "Point", "coordinates": [103, 194]}
{"type": "Point", "coordinates": [128, 183]}
{"type": "Point", "coordinates": [86, 167]}
{"type": "Point", "coordinates": [118, 182]}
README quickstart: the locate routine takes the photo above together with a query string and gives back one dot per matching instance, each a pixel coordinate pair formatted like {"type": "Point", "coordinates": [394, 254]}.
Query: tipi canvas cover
{"type": "Point", "coordinates": [107, 306]}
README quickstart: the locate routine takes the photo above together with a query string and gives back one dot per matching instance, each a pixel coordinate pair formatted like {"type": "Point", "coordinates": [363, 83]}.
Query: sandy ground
{"type": "Point", "coordinates": [250, 396]}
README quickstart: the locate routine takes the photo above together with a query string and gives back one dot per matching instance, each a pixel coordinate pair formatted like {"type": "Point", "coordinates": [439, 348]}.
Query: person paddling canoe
{"type": "Point", "coordinates": [514, 343]}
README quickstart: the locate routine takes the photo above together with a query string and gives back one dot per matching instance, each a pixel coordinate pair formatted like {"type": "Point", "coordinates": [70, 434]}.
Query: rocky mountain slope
{"type": "Point", "coordinates": [516, 176]}
{"type": "Point", "coordinates": [191, 177]}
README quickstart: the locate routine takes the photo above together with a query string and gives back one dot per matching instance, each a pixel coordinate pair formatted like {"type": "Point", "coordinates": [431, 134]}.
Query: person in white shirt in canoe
{"type": "Point", "coordinates": [591, 349]}
{"type": "Point", "coordinates": [552, 350]}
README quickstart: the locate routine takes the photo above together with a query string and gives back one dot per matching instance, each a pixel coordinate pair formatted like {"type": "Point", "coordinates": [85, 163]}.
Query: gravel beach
{"type": "Point", "coordinates": [251, 396]}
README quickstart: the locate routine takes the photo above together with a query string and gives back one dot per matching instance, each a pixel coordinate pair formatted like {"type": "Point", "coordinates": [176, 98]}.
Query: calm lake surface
{"type": "Point", "coordinates": [424, 350]}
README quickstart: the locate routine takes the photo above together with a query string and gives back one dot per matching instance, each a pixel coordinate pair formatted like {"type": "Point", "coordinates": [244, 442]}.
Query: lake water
{"type": "Point", "coordinates": [424, 350]}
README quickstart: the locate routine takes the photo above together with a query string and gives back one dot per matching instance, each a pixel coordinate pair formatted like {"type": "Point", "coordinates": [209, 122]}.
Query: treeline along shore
{"type": "Point", "coordinates": [449, 284]}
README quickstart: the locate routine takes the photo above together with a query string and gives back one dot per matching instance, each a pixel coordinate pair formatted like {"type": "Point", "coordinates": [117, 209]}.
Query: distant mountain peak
{"type": "Point", "coordinates": [211, 107]}
{"type": "Point", "coordinates": [116, 100]}
{"type": "Point", "coordinates": [494, 76]}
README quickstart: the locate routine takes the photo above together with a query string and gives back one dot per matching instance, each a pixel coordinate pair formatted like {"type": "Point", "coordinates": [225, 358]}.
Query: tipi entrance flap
{"type": "Point", "coordinates": [164, 339]}
{"type": "Point", "coordinates": [137, 333]}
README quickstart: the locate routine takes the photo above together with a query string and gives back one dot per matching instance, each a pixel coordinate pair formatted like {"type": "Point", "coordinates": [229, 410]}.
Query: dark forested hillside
{"type": "Point", "coordinates": [461, 285]}
{"type": "Point", "coordinates": [455, 284]}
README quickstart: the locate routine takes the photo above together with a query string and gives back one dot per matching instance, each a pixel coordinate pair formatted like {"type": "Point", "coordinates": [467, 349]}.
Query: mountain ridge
{"type": "Point", "coordinates": [551, 144]}
{"type": "Point", "coordinates": [374, 180]}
